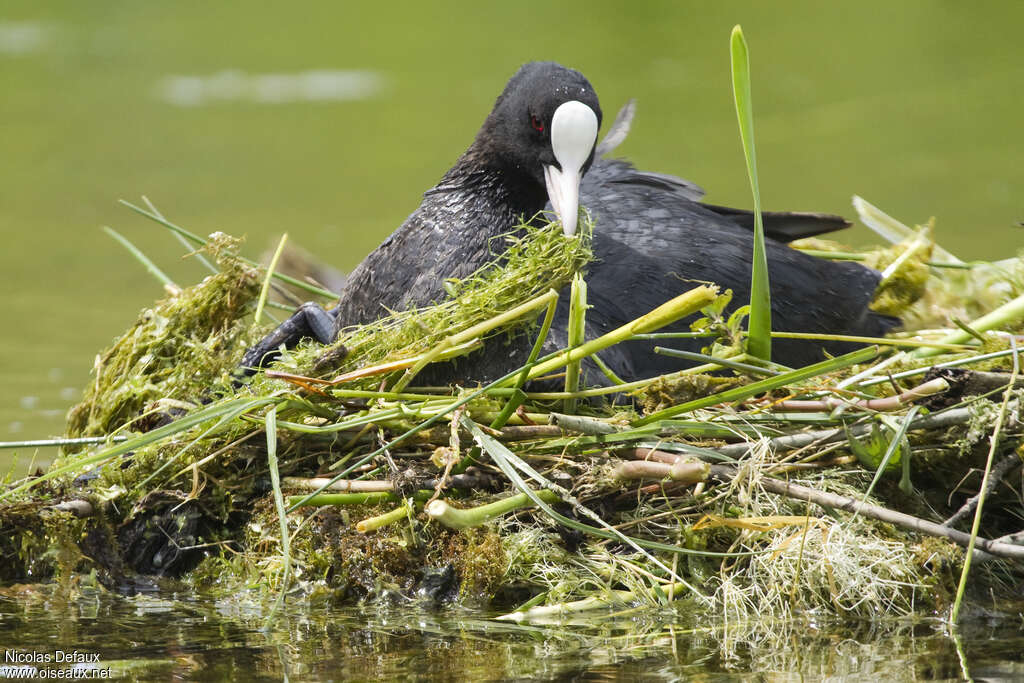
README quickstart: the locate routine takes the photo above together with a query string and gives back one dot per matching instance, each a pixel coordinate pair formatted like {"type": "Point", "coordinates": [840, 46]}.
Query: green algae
{"type": "Point", "coordinates": [204, 484]}
{"type": "Point", "coordinates": [183, 346]}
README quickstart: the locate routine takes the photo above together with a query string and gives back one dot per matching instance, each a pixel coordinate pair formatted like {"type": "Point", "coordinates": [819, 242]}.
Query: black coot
{"type": "Point", "coordinates": [653, 239]}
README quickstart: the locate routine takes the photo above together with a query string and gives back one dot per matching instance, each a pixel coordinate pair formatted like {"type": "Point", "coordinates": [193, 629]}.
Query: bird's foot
{"type": "Point", "coordinates": [309, 320]}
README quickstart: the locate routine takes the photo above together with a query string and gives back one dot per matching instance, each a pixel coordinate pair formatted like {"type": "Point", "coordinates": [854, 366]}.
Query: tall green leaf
{"type": "Point", "coordinates": [759, 343]}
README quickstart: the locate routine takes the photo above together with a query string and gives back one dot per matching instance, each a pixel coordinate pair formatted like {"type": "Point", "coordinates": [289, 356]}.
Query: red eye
{"type": "Point", "coordinates": [537, 124]}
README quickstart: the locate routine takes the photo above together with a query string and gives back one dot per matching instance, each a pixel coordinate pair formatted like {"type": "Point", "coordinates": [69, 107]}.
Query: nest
{"type": "Point", "coordinates": [742, 492]}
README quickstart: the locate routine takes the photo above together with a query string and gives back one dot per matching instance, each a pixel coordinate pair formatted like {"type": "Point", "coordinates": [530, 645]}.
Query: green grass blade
{"type": "Point", "coordinates": [538, 344]}
{"type": "Point", "coordinates": [294, 504]}
{"type": "Point", "coordinates": [607, 371]}
{"type": "Point", "coordinates": [265, 289]}
{"type": "Point", "coordinates": [516, 396]}
{"type": "Point", "coordinates": [894, 444]}
{"type": "Point", "coordinates": [236, 412]}
{"type": "Point", "coordinates": [577, 324]}
{"type": "Point", "coordinates": [180, 425]}
{"type": "Point", "coordinates": [857, 339]}
{"type": "Point", "coordinates": [759, 344]}
{"type": "Point", "coordinates": [282, 515]}
{"type": "Point", "coordinates": [60, 442]}
{"type": "Point", "coordinates": [476, 331]}
{"type": "Point", "coordinates": [740, 393]}
{"type": "Point", "coordinates": [199, 242]}
{"type": "Point", "coordinates": [994, 442]}
{"type": "Point", "coordinates": [181, 239]}
{"type": "Point", "coordinates": [153, 269]}
{"type": "Point", "coordinates": [731, 363]}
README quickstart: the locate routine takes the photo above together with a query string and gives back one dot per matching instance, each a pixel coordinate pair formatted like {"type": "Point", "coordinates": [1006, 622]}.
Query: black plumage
{"type": "Point", "coordinates": [653, 239]}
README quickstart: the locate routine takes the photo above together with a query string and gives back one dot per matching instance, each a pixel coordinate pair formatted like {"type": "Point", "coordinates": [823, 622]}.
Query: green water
{"type": "Point", "coordinates": [913, 105]}
{"type": "Point", "coordinates": [182, 636]}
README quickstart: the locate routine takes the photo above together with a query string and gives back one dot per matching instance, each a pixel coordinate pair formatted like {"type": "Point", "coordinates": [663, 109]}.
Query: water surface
{"type": "Point", "coordinates": [327, 120]}
{"type": "Point", "coordinates": [183, 636]}
{"type": "Point", "coordinates": [327, 123]}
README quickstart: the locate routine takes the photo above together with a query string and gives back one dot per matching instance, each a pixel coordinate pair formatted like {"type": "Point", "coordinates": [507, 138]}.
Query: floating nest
{"type": "Point", "coordinates": [846, 488]}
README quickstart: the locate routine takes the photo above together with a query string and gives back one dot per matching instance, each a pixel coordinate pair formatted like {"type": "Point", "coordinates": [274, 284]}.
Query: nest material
{"type": "Point", "coordinates": [179, 349]}
{"type": "Point", "coordinates": [781, 556]}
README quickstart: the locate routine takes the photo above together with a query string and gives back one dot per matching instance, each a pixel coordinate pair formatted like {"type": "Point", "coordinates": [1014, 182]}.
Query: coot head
{"type": "Point", "coordinates": [541, 135]}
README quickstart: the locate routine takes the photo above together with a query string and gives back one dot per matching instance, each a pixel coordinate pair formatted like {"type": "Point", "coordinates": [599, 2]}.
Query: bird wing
{"type": "Point", "coordinates": [784, 226]}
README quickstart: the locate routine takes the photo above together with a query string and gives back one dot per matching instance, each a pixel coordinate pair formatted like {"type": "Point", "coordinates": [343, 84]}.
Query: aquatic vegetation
{"type": "Point", "coordinates": [493, 495]}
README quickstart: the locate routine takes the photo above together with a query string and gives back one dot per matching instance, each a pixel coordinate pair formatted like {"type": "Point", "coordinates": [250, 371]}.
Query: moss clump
{"type": "Point", "coordinates": [179, 349]}
{"type": "Point", "coordinates": [992, 344]}
{"type": "Point", "coordinates": [940, 562]}
{"type": "Point", "coordinates": [532, 261]}
{"type": "Point", "coordinates": [330, 552]}
{"type": "Point", "coordinates": [905, 286]}
{"type": "Point", "coordinates": [672, 390]}
{"type": "Point", "coordinates": [480, 563]}
{"type": "Point", "coordinates": [38, 542]}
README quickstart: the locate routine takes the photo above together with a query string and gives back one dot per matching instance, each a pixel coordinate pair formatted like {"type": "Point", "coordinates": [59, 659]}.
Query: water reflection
{"type": "Point", "coordinates": [220, 638]}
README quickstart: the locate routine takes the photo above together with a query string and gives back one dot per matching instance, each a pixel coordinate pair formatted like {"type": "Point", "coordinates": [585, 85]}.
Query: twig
{"type": "Point", "coordinates": [831, 500]}
{"type": "Point", "coordinates": [685, 469]}
{"type": "Point", "coordinates": [746, 391]}
{"type": "Point", "coordinates": [981, 557]}
{"type": "Point", "coordinates": [472, 479]}
{"type": "Point", "coordinates": [930, 388]}
{"type": "Point", "coordinates": [669, 458]}
{"type": "Point", "coordinates": [999, 470]}
{"type": "Point", "coordinates": [452, 459]}
{"type": "Point", "coordinates": [370, 497]}
{"type": "Point", "coordinates": [651, 454]}
{"type": "Point", "coordinates": [826, 436]}
{"type": "Point", "coordinates": [526, 432]}
{"type": "Point", "coordinates": [965, 382]}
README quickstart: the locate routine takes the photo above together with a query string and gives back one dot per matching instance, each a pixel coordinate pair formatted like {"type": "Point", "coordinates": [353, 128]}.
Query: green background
{"type": "Point", "coordinates": [913, 105]}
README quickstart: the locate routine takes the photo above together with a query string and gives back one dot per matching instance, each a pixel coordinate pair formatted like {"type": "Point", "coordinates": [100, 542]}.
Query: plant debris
{"type": "Point", "coordinates": [715, 487]}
